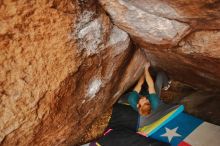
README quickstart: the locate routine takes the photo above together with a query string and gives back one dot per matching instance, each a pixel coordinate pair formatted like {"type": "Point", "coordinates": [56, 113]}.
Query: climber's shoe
{"type": "Point", "coordinates": [167, 86]}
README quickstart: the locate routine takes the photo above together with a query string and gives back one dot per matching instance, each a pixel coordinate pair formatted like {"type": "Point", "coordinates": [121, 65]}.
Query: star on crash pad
{"type": "Point", "coordinates": [170, 134]}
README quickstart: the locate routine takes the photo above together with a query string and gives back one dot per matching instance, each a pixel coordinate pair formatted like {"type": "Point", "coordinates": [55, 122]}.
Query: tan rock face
{"type": "Point", "coordinates": [195, 61]}
{"type": "Point", "coordinates": [62, 63]}
{"type": "Point", "coordinates": [144, 25]}
{"type": "Point", "coordinates": [178, 36]}
{"type": "Point", "coordinates": [197, 105]}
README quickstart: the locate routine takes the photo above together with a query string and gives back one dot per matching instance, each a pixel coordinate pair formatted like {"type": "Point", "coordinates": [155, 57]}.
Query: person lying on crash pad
{"type": "Point", "coordinates": [125, 120]}
{"type": "Point", "coordinates": [145, 98]}
{"type": "Point", "coordinates": [144, 101]}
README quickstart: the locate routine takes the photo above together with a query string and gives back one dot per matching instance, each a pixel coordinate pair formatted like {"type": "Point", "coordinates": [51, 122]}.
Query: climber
{"type": "Point", "coordinates": [145, 101]}
{"type": "Point", "coordinates": [126, 119]}
{"type": "Point", "coordinates": [142, 100]}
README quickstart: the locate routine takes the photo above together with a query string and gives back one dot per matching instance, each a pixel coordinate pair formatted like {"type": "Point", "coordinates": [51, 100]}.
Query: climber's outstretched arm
{"type": "Point", "coordinates": [149, 79]}
{"type": "Point", "coordinates": [137, 88]}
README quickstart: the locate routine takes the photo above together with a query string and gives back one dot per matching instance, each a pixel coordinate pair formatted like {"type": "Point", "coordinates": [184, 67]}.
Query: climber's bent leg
{"type": "Point", "coordinates": [161, 81]}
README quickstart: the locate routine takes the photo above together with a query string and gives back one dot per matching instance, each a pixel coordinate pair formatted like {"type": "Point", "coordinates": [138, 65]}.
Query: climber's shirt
{"type": "Point", "coordinates": [133, 98]}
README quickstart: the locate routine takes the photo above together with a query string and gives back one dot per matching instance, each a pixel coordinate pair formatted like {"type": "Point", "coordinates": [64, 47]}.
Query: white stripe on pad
{"type": "Point", "coordinates": [206, 134]}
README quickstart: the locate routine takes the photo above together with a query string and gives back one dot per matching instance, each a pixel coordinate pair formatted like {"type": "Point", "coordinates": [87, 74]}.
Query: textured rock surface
{"type": "Point", "coordinates": [144, 25]}
{"type": "Point", "coordinates": [178, 36]}
{"type": "Point", "coordinates": [195, 61]}
{"type": "Point", "coordinates": [204, 105]}
{"type": "Point", "coordinates": [62, 63]}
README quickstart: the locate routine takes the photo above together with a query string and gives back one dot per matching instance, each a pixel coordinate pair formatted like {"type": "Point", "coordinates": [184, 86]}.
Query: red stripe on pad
{"type": "Point", "coordinates": [183, 143]}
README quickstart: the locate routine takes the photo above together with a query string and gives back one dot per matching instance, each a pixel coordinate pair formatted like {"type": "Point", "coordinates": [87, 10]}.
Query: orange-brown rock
{"type": "Point", "coordinates": [62, 63]}
{"type": "Point", "coordinates": [179, 36]}
{"type": "Point", "coordinates": [204, 105]}
{"type": "Point", "coordinates": [196, 60]}
{"type": "Point", "coordinates": [143, 21]}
